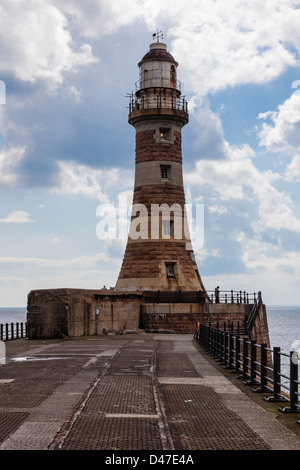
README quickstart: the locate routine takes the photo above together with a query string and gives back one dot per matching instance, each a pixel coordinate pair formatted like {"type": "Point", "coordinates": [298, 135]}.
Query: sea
{"type": "Point", "coordinates": [13, 315]}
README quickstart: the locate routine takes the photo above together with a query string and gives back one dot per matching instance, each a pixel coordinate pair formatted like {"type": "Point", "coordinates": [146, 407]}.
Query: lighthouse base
{"type": "Point", "coordinates": [57, 313]}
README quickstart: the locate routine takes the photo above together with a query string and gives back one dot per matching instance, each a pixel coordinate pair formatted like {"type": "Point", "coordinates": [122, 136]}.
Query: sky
{"type": "Point", "coordinates": [67, 150]}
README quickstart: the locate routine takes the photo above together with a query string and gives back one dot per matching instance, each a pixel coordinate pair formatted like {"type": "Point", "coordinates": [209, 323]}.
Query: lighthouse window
{"type": "Point", "coordinates": [170, 269]}
{"type": "Point", "coordinates": [165, 134]}
{"type": "Point", "coordinates": [165, 171]}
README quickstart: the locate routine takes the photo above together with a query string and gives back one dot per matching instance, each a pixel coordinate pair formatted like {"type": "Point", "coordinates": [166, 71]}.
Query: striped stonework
{"type": "Point", "coordinates": [159, 254]}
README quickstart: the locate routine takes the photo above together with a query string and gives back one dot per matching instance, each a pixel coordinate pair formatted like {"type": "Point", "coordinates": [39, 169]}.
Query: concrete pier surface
{"type": "Point", "coordinates": [136, 391]}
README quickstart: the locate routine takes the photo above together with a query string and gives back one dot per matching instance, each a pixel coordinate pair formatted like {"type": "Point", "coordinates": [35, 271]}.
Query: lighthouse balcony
{"type": "Point", "coordinates": [157, 101]}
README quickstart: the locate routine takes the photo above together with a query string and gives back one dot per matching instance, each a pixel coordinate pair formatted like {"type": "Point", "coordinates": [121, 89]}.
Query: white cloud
{"type": "Point", "coordinates": [280, 133]}
{"type": "Point", "coordinates": [258, 255]}
{"type": "Point", "coordinates": [74, 93]}
{"type": "Point", "coordinates": [95, 18]}
{"type": "Point", "coordinates": [219, 210]}
{"type": "Point", "coordinates": [217, 47]}
{"type": "Point", "coordinates": [235, 178]}
{"type": "Point", "coordinates": [55, 241]}
{"type": "Point", "coordinates": [36, 43]}
{"type": "Point", "coordinates": [10, 158]}
{"type": "Point", "coordinates": [74, 179]}
{"type": "Point", "coordinates": [17, 217]}
{"type": "Point", "coordinates": [246, 42]}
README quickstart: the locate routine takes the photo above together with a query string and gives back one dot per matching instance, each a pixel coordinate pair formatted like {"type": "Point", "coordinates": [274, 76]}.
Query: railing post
{"type": "Point", "coordinates": [293, 408]}
{"type": "Point", "coordinates": [225, 348]}
{"type": "Point", "coordinates": [203, 333]}
{"type": "Point", "coordinates": [252, 380]}
{"type": "Point", "coordinates": [237, 354]}
{"type": "Point", "coordinates": [6, 331]}
{"type": "Point", "coordinates": [231, 342]}
{"type": "Point", "coordinates": [206, 336]}
{"type": "Point", "coordinates": [293, 383]}
{"type": "Point", "coordinates": [219, 335]}
{"type": "Point", "coordinates": [276, 378]}
{"type": "Point", "coordinates": [263, 370]}
{"type": "Point", "coordinates": [276, 374]}
{"type": "Point", "coordinates": [209, 332]}
{"type": "Point", "coordinates": [219, 346]}
{"type": "Point", "coordinates": [215, 342]}
{"type": "Point", "coordinates": [245, 360]}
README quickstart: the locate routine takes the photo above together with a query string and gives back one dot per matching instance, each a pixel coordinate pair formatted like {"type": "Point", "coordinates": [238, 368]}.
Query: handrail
{"type": "Point", "coordinates": [239, 354]}
{"type": "Point", "coordinates": [157, 101]}
{"type": "Point", "coordinates": [10, 331]}
{"type": "Point", "coordinates": [232, 296]}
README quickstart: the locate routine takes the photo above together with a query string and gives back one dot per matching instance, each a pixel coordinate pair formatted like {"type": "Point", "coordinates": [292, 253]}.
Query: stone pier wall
{"type": "Point", "coordinates": [183, 317]}
{"type": "Point", "coordinates": [76, 312]}
{"type": "Point", "coordinates": [57, 313]}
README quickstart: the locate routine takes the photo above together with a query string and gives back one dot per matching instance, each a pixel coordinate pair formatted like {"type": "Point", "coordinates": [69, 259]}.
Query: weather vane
{"type": "Point", "coordinates": [158, 35]}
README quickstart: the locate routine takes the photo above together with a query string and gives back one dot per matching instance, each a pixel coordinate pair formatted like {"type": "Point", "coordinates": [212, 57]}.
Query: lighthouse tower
{"type": "Point", "coordinates": [159, 253]}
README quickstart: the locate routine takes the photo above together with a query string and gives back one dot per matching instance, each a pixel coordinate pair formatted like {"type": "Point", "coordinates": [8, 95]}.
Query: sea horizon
{"type": "Point", "coordinates": [283, 323]}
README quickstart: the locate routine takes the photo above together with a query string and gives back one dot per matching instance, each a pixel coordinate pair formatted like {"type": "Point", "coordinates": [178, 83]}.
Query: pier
{"type": "Point", "coordinates": [132, 392]}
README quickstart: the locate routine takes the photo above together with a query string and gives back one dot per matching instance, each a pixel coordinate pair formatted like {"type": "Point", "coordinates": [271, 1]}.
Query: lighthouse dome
{"type": "Point", "coordinates": [158, 50]}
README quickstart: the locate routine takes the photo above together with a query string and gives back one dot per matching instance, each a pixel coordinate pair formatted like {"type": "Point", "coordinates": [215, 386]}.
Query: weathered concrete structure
{"type": "Point", "coordinates": [54, 313]}
{"type": "Point", "coordinates": [159, 287]}
{"type": "Point", "coordinates": [76, 312]}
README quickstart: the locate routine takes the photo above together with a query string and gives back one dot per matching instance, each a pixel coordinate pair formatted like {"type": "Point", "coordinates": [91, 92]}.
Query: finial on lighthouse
{"type": "Point", "coordinates": [158, 35]}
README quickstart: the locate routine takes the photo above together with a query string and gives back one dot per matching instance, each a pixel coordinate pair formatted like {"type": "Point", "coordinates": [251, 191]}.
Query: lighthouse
{"type": "Point", "coordinates": [159, 253]}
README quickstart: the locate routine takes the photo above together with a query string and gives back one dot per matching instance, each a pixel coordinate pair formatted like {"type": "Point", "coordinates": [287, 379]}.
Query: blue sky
{"type": "Point", "coordinates": [66, 146]}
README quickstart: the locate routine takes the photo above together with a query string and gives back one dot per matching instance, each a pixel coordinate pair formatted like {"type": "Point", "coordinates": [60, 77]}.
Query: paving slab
{"type": "Point", "coordinates": [131, 392]}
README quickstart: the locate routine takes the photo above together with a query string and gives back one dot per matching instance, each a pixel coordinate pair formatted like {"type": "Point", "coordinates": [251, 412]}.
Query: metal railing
{"type": "Point", "coordinates": [9, 331]}
{"type": "Point", "coordinates": [233, 296]}
{"type": "Point", "coordinates": [256, 364]}
{"type": "Point", "coordinates": [156, 102]}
